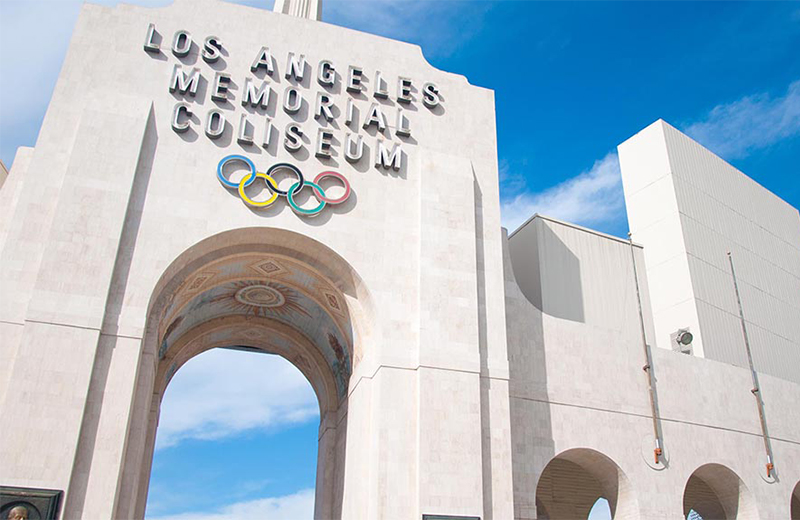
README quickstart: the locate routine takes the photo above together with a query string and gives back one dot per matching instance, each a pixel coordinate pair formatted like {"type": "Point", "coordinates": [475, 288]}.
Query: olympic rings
{"type": "Point", "coordinates": [272, 185]}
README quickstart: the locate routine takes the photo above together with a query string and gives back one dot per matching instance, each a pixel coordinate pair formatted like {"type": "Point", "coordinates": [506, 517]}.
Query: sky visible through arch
{"type": "Point", "coordinates": [571, 81]}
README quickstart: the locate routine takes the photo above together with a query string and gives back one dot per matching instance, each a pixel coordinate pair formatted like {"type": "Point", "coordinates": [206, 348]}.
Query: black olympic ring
{"type": "Point", "coordinates": [286, 166]}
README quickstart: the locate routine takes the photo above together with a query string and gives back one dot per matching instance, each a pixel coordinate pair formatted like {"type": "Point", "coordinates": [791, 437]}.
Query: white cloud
{"type": "Point", "coordinates": [221, 393]}
{"type": "Point", "coordinates": [751, 123]}
{"type": "Point", "coordinates": [299, 506]}
{"type": "Point", "coordinates": [594, 196]}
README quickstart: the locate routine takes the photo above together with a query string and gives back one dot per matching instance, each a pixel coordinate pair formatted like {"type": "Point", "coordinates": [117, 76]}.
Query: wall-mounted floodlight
{"type": "Point", "coordinates": [684, 337]}
{"type": "Point", "coordinates": [682, 341]}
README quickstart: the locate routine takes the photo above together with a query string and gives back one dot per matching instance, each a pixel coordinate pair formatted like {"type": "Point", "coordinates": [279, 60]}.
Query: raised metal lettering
{"type": "Point", "coordinates": [245, 136]}
{"type": "Point", "coordinates": [212, 49]}
{"type": "Point", "coordinates": [430, 95]}
{"type": "Point", "coordinates": [326, 74]}
{"type": "Point", "coordinates": [183, 83]}
{"type": "Point", "coordinates": [263, 60]}
{"type": "Point", "coordinates": [295, 67]}
{"type": "Point", "coordinates": [255, 96]}
{"type": "Point", "coordinates": [181, 109]}
{"type": "Point", "coordinates": [323, 108]}
{"type": "Point", "coordinates": [384, 158]}
{"type": "Point", "coordinates": [181, 44]}
{"type": "Point", "coordinates": [219, 91]}
{"type": "Point", "coordinates": [376, 117]}
{"type": "Point", "coordinates": [352, 141]}
{"type": "Point", "coordinates": [404, 90]}
{"type": "Point", "coordinates": [354, 77]}
{"type": "Point", "coordinates": [215, 123]}
{"type": "Point", "coordinates": [380, 86]}
{"type": "Point", "coordinates": [403, 124]}
{"type": "Point", "coordinates": [292, 100]}
{"type": "Point", "coordinates": [324, 141]}
{"type": "Point", "coordinates": [150, 44]}
{"type": "Point", "coordinates": [293, 140]}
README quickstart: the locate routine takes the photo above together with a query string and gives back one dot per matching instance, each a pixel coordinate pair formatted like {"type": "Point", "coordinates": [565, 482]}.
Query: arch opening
{"type": "Point", "coordinates": [237, 433]}
{"type": "Point", "coordinates": [714, 492]}
{"type": "Point", "coordinates": [795, 503]}
{"type": "Point", "coordinates": [258, 289]}
{"type": "Point", "coordinates": [578, 481]}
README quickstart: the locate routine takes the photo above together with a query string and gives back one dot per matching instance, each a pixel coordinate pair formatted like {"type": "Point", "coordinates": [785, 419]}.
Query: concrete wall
{"type": "Point", "coordinates": [578, 390]}
{"type": "Point", "coordinates": [689, 208]}
{"type": "Point", "coordinates": [457, 403]}
{"type": "Point", "coordinates": [119, 196]}
{"type": "Point", "coordinates": [568, 273]}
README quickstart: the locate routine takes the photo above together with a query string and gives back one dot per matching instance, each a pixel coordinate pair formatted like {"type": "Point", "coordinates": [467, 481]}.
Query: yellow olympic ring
{"type": "Point", "coordinates": [270, 184]}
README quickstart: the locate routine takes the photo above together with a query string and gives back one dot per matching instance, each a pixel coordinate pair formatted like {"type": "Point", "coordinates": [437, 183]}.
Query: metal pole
{"type": "Point", "coordinates": [756, 390]}
{"type": "Point", "coordinates": [657, 452]}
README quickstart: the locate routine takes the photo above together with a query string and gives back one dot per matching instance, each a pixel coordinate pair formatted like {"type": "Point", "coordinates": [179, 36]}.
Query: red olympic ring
{"type": "Point", "coordinates": [321, 194]}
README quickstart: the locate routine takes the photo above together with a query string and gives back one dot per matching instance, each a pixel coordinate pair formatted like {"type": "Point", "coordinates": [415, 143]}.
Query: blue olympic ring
{"type": "Point", "coordinates": [228, 184]}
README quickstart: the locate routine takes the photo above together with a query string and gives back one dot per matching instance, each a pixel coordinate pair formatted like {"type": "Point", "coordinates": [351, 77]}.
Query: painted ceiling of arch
{"type": "Point", "coordinates": [269, 286]}
{"type": "Point", "coordinates": [270, 342]}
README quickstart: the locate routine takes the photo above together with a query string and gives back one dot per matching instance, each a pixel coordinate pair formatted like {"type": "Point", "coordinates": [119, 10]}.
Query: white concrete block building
{"type": "Point", "coordinates": [212, 175]}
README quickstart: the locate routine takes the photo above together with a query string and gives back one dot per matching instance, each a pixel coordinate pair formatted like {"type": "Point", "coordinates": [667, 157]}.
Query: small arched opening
{"type": "Point", "coordinates": [795, 503]}
{"type": "Point", "coordinates": [581, 481]}
{"type": "Point", "coordinates": [714, 492]}
{"type": "Point", "coordinates": [262, 289]}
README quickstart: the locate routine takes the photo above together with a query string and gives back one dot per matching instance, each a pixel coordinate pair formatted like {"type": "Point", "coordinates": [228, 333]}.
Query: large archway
{"type": "Point", "coordinates": [574, 480]}
{"type": "Point", "coordinates": [265, 289]}
{"type": "Point", "coordinates": [714, 492]}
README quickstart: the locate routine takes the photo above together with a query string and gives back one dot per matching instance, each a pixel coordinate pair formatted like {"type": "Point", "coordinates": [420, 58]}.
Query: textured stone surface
{"type": "Point", "coordinates": [451, 372]}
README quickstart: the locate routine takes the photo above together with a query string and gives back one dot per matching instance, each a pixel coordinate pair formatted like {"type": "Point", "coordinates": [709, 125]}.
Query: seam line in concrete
{"type": "Point", "coordinates": [416, 369]}
{"type": "Point", "coordinates": [62, 325]}
{"type": "Point", "coordinates": [120, 335]}
{"type": "Point", "coordinates": [12, 323]}
{"type": "Point", "coordinates": [634, 414]}
{"type": "Point", "coordinates": [74, 327]}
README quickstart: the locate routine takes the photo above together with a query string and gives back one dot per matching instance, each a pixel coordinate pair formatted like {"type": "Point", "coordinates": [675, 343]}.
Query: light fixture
{"type": "Point", "coordinates": [684, 337]}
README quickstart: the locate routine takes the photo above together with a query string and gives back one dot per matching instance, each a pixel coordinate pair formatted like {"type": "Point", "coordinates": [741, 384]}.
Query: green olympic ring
{"type": "Point", "coordinates": [296, 188]}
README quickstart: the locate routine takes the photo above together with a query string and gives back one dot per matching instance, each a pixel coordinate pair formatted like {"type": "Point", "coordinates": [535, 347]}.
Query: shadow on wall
{"type": "Point", "coordinates": [562, 289]}
{"type": "Point", "coordinates": [576, 479]}
{"type": "Point", "coordinates": [531, 423]}
{"type": "Point", "coordinates": [90, 424]}
{"type": "Point", "coordinates": [535, 249]}
{"type": "Point", "coordinates": [715, 491]}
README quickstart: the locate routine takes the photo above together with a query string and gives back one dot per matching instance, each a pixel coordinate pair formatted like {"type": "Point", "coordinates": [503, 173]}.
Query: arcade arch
{"type": "Point", "coordinates": [715, 492]}
{"type": "Point", "coordinates": [574, 480]}
{"type": "Point", "coordinates": [265, 289]}
{"type": "Point", "coordinates": [795, 503]}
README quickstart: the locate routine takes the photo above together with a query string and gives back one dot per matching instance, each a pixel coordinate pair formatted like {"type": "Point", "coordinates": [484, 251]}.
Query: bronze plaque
{"type": "Point", "coordinates": [29, 503]}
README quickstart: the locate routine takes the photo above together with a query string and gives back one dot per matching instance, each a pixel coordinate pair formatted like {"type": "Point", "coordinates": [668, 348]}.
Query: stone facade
{"type": "Point", "coordinates": [459, 372]}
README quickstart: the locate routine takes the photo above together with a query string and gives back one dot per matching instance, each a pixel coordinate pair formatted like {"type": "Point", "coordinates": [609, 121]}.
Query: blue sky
{"type": "Point", "coordinates": [572, 80]}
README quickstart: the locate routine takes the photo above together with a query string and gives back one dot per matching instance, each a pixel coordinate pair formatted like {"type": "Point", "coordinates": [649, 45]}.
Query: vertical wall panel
{"type": "Point", "coordinates": [719, 209]}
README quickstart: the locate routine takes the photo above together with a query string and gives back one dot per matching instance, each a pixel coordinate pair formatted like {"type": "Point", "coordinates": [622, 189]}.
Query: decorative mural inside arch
{"type": "Point", "coordinates": [268, 286]}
